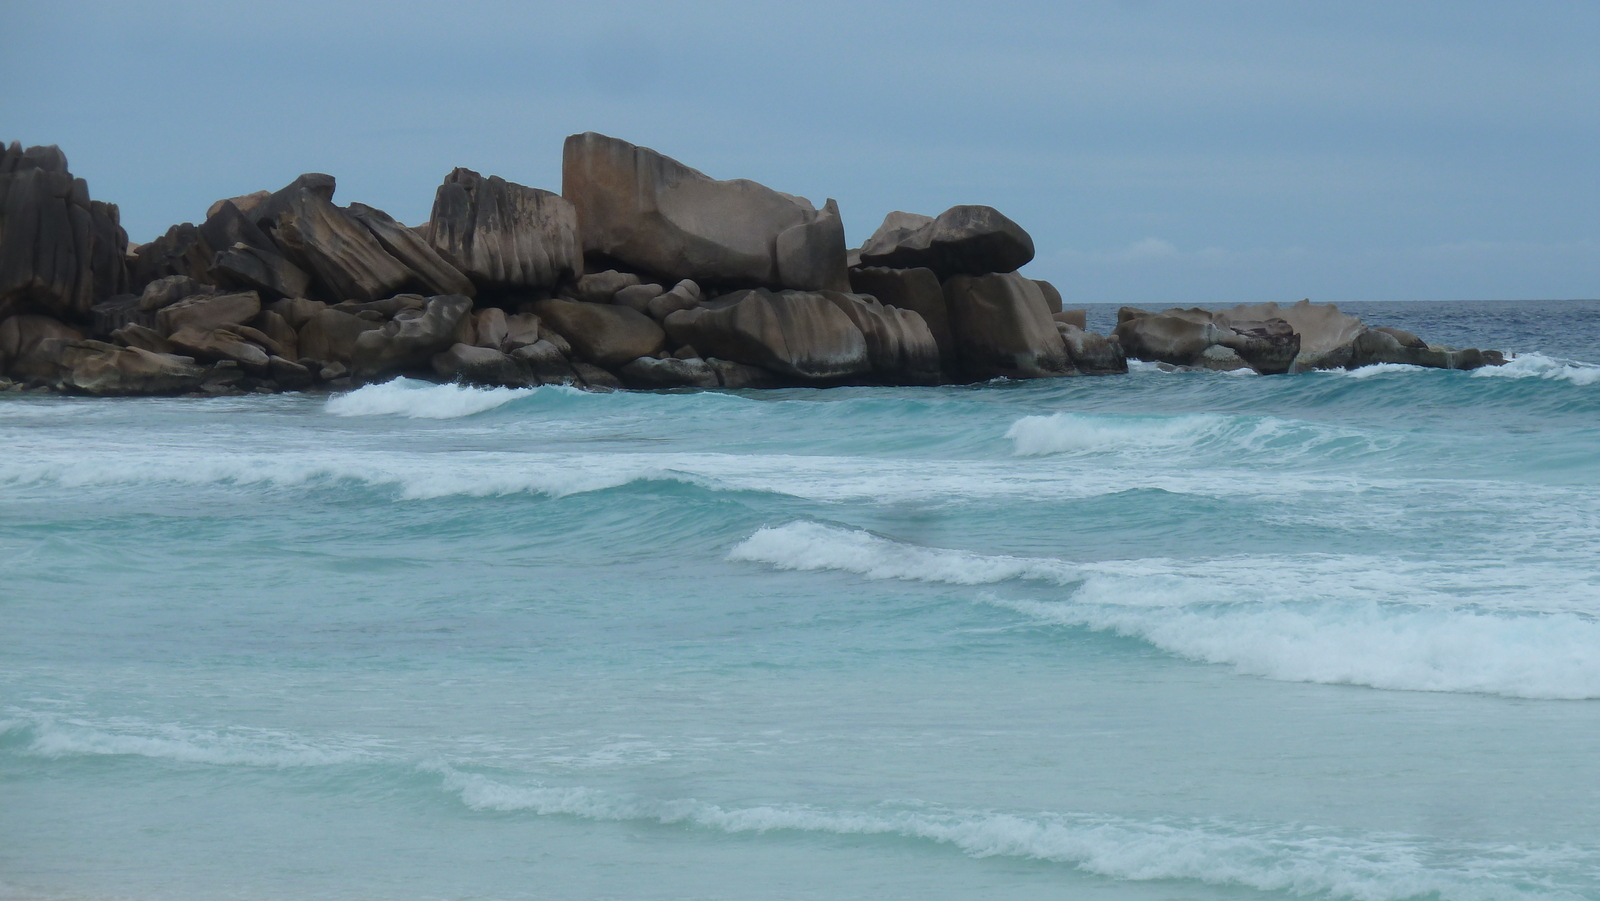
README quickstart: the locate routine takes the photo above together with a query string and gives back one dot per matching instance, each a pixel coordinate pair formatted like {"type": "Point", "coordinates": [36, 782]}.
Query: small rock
{"type": "Point", "coordinates": [637, 297]}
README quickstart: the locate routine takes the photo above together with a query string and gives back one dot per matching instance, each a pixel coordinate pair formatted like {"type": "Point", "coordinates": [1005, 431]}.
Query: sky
{"type": "Point", "coordinates": [1159, 152]}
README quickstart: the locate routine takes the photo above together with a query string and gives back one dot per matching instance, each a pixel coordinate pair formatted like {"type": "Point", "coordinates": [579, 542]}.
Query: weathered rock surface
{"type": "Point", "coordinates": [1002, 327]}
{"type": "Point", "coordinates": [164, 292]}
{"type": "Point", "coordinates": [649, 372]}
{"type": "Point", "coordinates": [801, 335]}
{"type": "Point", "coordinates": [481, 366]}
{"type": "Point", "coordinates": [685, 295]}
{"type": "Point", "coordinates": [115, 312]}
{"type": "Point", "coordinates": [657, 215]}
{"type": "Point", "coordinates": [329, 336]}
{"type": "Point", "coordinates": [917, 290]}
{"type": "Point", "coordinates": [348, 262]}
{"type": "Point", "coordinates": [899, 344]}
{"type": "Point", "coordinates": [742, 375]}
{"type": "Point", "coordinates": [547, 363]}
{"type": "Point", "coordinates": [208, 311]}
{"type": "Point", "coordinates": [60, 252]}
{"type": "Point", "coordinates": [103, 369]}
{"type": "Point", "coordinates": [31, 346]}
{"type": "Point", "coordinates": [596, 377]}
{"type": "Point", "coordinates": [1078, 318]}
{"type": "Point", "coordinates": [1181, 337]}
{"type": "Point", "coordinates": [503, 235]}
{"type": "Point", "coordinates": [601, 287]}
{"type": "Point", "coordinates": [1327, 336]}
{"type": "Point", "coordinates": [141, 336]}
{"type": "Point", "coordinates": [435, 273]}
{"type": "Point", "coordinates": [605, 334]}
{"type": "Point", "coordinates": [638, 297]}
{"type": "Point", "coordinates": [1091, 353]}
{"type": "Point", "coordinates": [410, 339]}
{"type": "Point", "coordinates": [1052, 297]}
{"type": "Point", "coordinates": [215, 344]}
{"type": "Point", "coordinates": [963, 240]}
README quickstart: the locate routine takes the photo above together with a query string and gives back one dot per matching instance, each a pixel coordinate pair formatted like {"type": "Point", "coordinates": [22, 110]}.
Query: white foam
{"type": "Point", "coordinates": [424, 400]}
{"type": "Point", "coordinates": [1298, 860]}
{"type": "Point", "coordinates": [55, 738]}
{"type": "Point", "coordinates": [1375, 369]}
{"type": "Point", "coordinates": [1067, 432]}
{"type": "Point", "coordinates": [1328, 619]}
{"type": "Point", "coordinates": [1537, 365]}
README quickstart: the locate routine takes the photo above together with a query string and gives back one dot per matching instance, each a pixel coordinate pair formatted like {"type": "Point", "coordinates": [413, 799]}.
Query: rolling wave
{"type": "Point", "coordinates": [1295, 859]}
{"type": "Point", "coordinates": [1314, 619]}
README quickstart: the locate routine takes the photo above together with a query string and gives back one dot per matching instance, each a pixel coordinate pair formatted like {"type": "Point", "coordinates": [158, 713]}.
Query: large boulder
{"type": "Point", "coordinates": [31, 346]}
{"type": "Point", "coordinates": [546, 363]}
{"type": "Point", "coordinates": [1181, 338]}
{"type": "Point", "coordinates": [503, 235]}
{"type": "Point", "coordinates": [208, 311]}
{"type": "Point", "coordinates": [1092, 353]}
{"type": "Point", "coordinates": [899, 344]}
{"type": "Point", "coordinates": [1002, 327]}
{"type": "Point", "coordinates": [801, 335]}
{"type": "Point", "coordinates": [346, 259]}
{"type": "Point", "coordinates": [219, 344]}
{"type": "Point", "coordinates": [181, 251]}
{"type": "Point", "coordinates": [606, 334]}
{"type": "Point", "coordinates": [411, 338]}
{"type": "Point", "coordinates": [655, 214]}
{"type": "Point", "coordinates": [104, 369]}
{"type": "Point", "coordinates": [1327, 336]}
{"type": "Point", "coordinates": [432, 270]}
{"type": "Point", "coordinates": [1176, 337]}
{"type": "Point", "coordinates": [963, 240]}
{"type": "Point", "coordinates": [917, 290]}
{"type": "Point", "coordinates": [60, 252]}
{"type": "Point", "coordinates": [329, 335]}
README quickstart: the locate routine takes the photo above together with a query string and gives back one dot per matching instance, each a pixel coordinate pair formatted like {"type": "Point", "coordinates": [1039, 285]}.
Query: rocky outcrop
{"type": "Point", "coordinates": [1002, 328]}
{"type": "Point", "coordinates": [649, 372]}
{"type": "Point", "coordinates": [435, 273]}
{"type": "Point", "coordinates": [346, 259]}
{"type": "Point", "coordinates": [484, 366]}
{"type": "Point", "coordinates": [208, 311]}
{"type": "Point", "coordinates": [656, 215]}
{"type": "Point", "coordinates": [504, 235]}
{"type": "Point", "coordinates": [801, 335]}
{"type": "Point", "coordinates": [963, 240]}
{"type": "Point", "coordinates": [607, 335]}
{"type": "Point", "coordinates": [1182, 337]}
{"type": "Point", "coordinates": [216, 344]}
{"type": "Point", "coordinates": [60, 252]}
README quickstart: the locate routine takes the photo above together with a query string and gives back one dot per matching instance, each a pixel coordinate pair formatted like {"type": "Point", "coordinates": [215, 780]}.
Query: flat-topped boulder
{"type": "Point", "coordinates": [656, 215]}
{"type": "Point", "coordinates": [963, 240]}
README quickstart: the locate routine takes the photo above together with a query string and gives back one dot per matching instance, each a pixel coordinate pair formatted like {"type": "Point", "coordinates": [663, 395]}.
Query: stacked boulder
{"type": "Point", "coordinates": [642, 273]}
{"type": "Point", "coordinates": [1272, 339]}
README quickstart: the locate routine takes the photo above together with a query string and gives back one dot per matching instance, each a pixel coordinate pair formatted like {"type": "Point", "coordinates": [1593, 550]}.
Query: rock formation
{"type": "Point", "coordinates": [698, 283]}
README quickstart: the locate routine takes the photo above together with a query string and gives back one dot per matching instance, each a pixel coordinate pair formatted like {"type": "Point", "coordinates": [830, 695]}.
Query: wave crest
{"type": "Point", "coordinates": [415, 399]}
{"type": "Point", "coordinates": [1537, 365]}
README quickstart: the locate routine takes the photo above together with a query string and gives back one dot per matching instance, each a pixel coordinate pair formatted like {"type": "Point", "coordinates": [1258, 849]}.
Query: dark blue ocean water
{"type": "Point", "coordinates": [1162, 636]}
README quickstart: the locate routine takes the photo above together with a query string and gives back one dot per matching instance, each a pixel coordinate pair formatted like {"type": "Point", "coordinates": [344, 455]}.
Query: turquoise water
{"type": "Point", "coordinates": [1163, 636]}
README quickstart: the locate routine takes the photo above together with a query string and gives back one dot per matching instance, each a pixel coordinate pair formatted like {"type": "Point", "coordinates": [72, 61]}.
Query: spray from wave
{"type": "Point", "coordinates": [1536, 365]}
{"type": "Point", "coordinates": [424, 400]}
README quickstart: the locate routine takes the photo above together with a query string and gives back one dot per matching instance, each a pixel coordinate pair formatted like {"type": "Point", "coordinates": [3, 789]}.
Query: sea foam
{"type": "Point", "coordinates": [1315, 619]}
{"type": "Point", "coordinates": [423, 400]}
{"type": "Point", "coordinates": [1537, 365]}
{"type": "Point", "coordinates": [1295, 859]}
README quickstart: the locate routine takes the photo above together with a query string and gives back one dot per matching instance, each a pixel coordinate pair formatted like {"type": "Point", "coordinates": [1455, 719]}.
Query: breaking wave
{"type": "Point", "coordinates": [1536, 365]}
{"type": "Point", "coordinates": [1327, 620]}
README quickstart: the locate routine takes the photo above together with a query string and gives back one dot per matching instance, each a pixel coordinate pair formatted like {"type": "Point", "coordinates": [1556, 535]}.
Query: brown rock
{"type": "Point", "coordinates": [297, 311]}
{"type": "Point", "coordinates": [733, 375]}
{"type": "Point", "coordinates": [546, 363]}
{"type": "Point", "coordinates": [917, 290]}
{"type": "Point", "coordinates": [899, 344]}
{"type": "Point", "coordinates": [504, 235]}
{"type": "Point", "coordinates": [655, 214]}
{"type": "Point", "coordinates": [1052, 297]}
{"type": "Point", "coordinates": [963, 240]}
{"type": "Point", "coordinates": [432, 270]}
{"type": "Point", "coordinates": [409, 340]}
{"type": "Point", "coordinates": [489, 327]}
{"type": "Point", "coordinates": [1078, 319]}
{"type": "Point", "coordinates": [522, 330]}
{"type": "Point", "coordinates": [1002, 327]}
{"type": "Point", "coordinates": [280, 333]}
{"type": "Point", "coordinates": [804, 336]}
{"type": "Point", "coordinates": [1091, 353]}
{"type": "Point", "coordinates": [480, 366]}
{"type": "Point", "coordinates": [649, 372]}
{"type": "Point", "coordinates": [329, 336]}
{"type": "Point", "coordinates": [31, 346]}
{"type": "Point", "coordinates": [289, 375]}
{"type": "Point", "coordinates": [637, 297]}
{"type": "Point", "coordinates": [107, 370]}
{"type": "Point", "coordinates": [346, 259]}
{"type": "Point", "coordinates": [116, 312]}
{"type": "Point", "coordinates": [140, 336]}
{"type": "Point", "coordinates": [55, 244]}
{"type": "Point", "coordinates": [164, 292]}
{"type": "Point", "coordinates": [596, 377]}
{"type": "Point", "coordinates": [208, 311]}
{"type": "Point", "coordinates": [601, 287]}
{"type": "Point", "coordinates": [685, 295]}
{"type": "Point", "coordinates": [606, 334]}
{"type": "Point", "coordinates": [211, 345]}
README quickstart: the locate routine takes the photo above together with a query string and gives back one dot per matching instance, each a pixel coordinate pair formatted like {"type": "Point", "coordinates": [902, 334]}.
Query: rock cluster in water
{"type": "Point", "coordinates": [641, 273]}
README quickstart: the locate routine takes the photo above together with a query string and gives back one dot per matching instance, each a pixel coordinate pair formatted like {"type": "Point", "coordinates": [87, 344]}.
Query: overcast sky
{"type": "Point", "coordinates": [1159, 152]}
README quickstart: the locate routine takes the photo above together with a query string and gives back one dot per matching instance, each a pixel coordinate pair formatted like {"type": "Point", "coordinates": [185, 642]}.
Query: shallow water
{"type": "Point", "coordinates": [1156, 637]}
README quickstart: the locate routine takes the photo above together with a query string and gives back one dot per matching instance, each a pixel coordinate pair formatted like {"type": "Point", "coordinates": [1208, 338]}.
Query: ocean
{"type": "Point", "coordinates": [1159, 636]}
